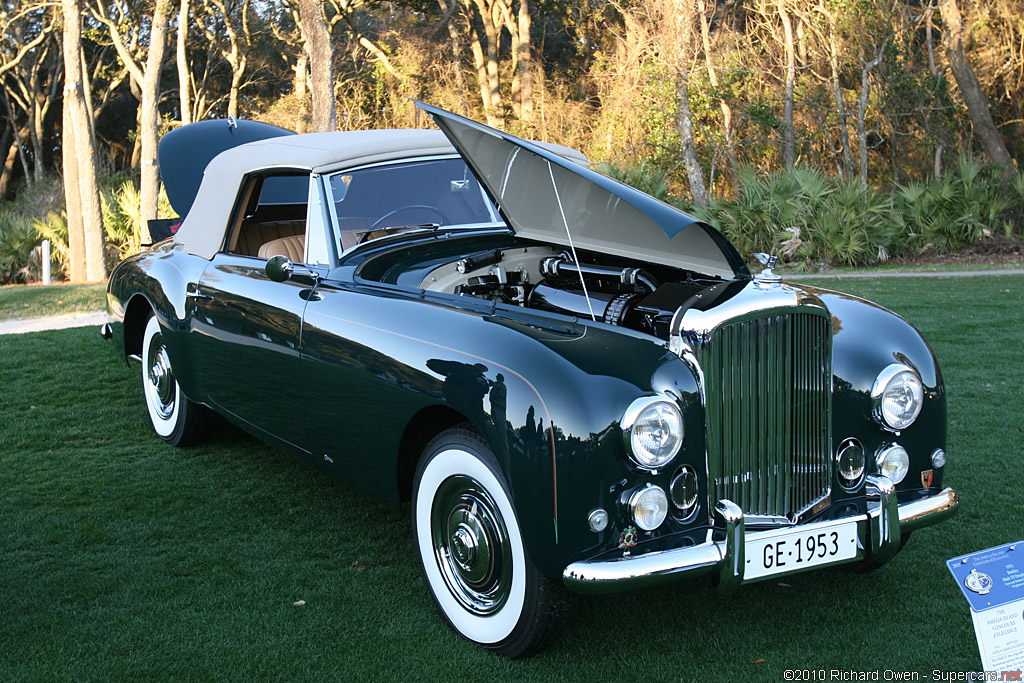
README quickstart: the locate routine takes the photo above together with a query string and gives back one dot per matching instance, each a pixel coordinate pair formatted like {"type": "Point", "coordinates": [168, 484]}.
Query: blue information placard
{"type": "Point", "coordinates": [993, 583]}
{"type": "Point", "coordinates": [992, 577]}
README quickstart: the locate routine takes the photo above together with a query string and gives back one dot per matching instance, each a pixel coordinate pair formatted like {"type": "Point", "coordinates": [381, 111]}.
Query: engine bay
{"type": "Point", "coordinates": [606, 289]}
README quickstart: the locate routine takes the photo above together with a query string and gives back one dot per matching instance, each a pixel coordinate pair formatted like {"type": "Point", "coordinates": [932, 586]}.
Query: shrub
{"type": "Point", "coordinates": [54, 227]}
{"type": "Point", "coordinates": [961, 208]}
{"type": "Point", "coordinates": [805, 217]}
{"type": "Point", "coordinates": [18, 240]}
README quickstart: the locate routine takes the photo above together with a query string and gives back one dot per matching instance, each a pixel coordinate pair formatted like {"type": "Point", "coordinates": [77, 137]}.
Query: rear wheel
{"type": "Point", "coordinates": [472, 552]}
{"type": "Point", "coordinates": [175, 418]}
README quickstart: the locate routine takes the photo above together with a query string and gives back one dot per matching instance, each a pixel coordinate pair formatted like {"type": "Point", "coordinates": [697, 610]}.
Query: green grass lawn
{"type": "Point", "coordinates": [122, 558]}
{"type": "Point", "coordinates": [33, 301]}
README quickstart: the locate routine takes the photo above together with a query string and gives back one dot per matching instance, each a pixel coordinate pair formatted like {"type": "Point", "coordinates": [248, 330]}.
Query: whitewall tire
{"type": "Point", "coordinates": [175, 418]}
{"type": "Point", "coordinates": [472, 552]}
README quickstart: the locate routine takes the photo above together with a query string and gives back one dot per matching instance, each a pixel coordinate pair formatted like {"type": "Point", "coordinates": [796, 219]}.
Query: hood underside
{"type": "Point", "coordinates": [548, 198]}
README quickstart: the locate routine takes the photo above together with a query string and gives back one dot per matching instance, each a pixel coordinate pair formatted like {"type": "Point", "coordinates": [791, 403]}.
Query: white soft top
{"type": "Point", "coordinates": [203, 230]}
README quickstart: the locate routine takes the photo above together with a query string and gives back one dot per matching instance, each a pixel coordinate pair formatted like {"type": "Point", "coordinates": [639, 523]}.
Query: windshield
{"type": "Point", "coordinates": [547, 197]}
{"type": "Point", "coordinates": [372, 201]}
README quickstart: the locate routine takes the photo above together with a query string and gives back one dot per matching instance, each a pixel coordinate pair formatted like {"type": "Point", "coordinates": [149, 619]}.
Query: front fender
{"type": "Point", "coordinates": [157, 279]}
{"type": "Point", "coordinates": [866, 339]}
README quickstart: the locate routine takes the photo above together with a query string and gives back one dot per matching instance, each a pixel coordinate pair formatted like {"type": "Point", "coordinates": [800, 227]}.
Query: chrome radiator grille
{"type": "Point", "coordinates": [768, 390]}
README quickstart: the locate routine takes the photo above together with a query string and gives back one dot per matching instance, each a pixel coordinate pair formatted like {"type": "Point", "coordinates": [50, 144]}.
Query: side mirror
{"type": "Point", "coordinates": [279, 268]}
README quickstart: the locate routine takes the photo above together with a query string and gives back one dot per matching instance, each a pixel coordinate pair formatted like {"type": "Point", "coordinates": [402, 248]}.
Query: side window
{"type": "Point", "coordinates": [387, 197]}
{"type": "Point", "coordinates": [271, 218]}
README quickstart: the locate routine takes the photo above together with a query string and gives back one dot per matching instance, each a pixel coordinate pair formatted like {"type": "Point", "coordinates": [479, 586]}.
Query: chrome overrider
{"type": "Point", "coordinates": [722, 555]}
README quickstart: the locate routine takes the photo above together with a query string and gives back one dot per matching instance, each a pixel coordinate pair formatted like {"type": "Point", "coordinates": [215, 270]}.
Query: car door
{"type": "Point", "coordinates": [361, 344]}
{"type": "Point", "coordinates": [247, 328]}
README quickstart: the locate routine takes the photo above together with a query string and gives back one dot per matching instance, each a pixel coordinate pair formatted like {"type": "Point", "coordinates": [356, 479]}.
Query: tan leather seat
{"type": "Point", "coordinates": [294, 248]}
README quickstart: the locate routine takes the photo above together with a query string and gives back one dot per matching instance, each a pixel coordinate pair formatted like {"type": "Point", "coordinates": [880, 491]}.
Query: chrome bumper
{"type": "Point", "coordinates": [879, 532]}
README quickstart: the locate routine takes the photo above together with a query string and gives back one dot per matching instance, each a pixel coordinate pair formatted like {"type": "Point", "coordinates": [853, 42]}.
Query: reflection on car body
{"type": "Point", "coordinates": [576, 386]}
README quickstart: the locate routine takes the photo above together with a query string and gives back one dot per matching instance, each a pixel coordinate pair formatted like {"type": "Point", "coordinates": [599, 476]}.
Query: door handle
{"type": "Point", "coordinates": [193, 291]}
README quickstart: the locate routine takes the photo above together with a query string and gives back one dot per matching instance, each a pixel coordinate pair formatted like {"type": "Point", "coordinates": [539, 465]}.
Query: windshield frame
{"type": "Point", "coordinates": [493, 210]}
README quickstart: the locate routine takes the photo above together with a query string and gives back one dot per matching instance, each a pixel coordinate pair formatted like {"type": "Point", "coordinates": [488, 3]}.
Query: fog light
{"type": "Point", "coordinates": [939, 458]}
{"type": "Point", "coordinates": [893, 462]}
{"type": "Point", "coordinates": [598, 520]}
{"type": "Point", "coordinates": [649, 507]}
{"type": "Point", "coordinates": [850, 464]}
{"type": "Point", "coordinates": [684, 490]}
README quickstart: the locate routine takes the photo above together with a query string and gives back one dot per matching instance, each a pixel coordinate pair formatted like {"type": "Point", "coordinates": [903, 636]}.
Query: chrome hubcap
{"type": "Point", "coordinates": [160, 377]}
{"type": "Point", "coordinates": [471, 545]}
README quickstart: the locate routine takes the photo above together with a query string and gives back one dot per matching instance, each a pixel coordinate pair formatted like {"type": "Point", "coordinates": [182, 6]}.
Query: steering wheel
{"type": "Point", "coordinates": [409, 207]}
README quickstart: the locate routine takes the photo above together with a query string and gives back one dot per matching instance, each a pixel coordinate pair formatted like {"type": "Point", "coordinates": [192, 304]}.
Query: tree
{"type": "Point", "coordinates": [681, 23]}
{"type": "Point", "coordinates": [181, 58]}
{"type": "Point", "coordinates": [317, 39]}
{"type": "Point", "coordinates": [788, 144]}
{"type": "Point", "coordinates": [230, 17]}
{"type": "Point", "coordinates": [147, 79]}
{"type": "Point", "coordinates": [81, 191]}
{"type": "Point", "coordinates": [30, 68]}
{"type": "Point", "coordinates": [970, 88]}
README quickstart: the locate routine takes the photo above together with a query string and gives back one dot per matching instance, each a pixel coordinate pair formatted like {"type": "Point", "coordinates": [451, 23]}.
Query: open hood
{"type": "Point", "coordinates": [185, 152]}
{"type": "Point", "coordinates": [549, 198]}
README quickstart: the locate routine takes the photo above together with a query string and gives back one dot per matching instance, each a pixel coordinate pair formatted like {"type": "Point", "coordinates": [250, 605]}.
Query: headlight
{"type": "Point", "coordinates": [893, 462]}
{"type": "Point", "coordinates": [649, 507]}
{"type": "Point", "coordinates": [652, 429]}
{"type": "Point", "coordinates": [898, 395]}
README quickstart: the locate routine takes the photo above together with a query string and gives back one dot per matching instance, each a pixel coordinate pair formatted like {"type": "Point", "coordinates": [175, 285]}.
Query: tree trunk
{"type": "Point", "coordinates": [491, 33]}
{"type": "Point", "coordinates": [149, 114]}
{"type": "Point", "coordinates": [82, 192]}
{"type": "Point", "coordinates": [525, 53]}
{"type": "Point", "coordinates": [8, 168]}
{"type": "Point", "coordinates": [682, 11]}
{"type": "Point", "coordinates": [299, 90]}
{"type": "Point", "coordinates": [456, 45]}
{"type": "Point", "coordinates": [788, 145]}
{"type": "Point", "coordinates": [184, 81]}
{"type": "Point", "coordinates": [977, 104]}
{"type": "Point", "coordinates": [730, 149]}
{"type": "Point", "coordinates": [72, 200]}
{"type": "Point", "coordinates": [837, 93]}
{"type": "Point", "coordinates": [476, 47]}
{"type": "Point", "coordinates": [321, 64]}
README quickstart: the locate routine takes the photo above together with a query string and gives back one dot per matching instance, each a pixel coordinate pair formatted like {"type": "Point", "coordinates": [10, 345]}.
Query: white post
{"type": "Point", "coordinates": [46, 262]}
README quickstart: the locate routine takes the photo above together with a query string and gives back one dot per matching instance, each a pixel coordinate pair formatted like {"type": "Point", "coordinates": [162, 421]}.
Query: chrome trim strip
{"type": "Point", "coordinates": [881, 528]}
{"type": "Point", "coordinates": [928, 511]}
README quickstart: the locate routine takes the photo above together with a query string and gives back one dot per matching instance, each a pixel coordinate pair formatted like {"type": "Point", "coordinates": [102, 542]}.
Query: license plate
{"type": "Point", "coordinates": [790, 550]}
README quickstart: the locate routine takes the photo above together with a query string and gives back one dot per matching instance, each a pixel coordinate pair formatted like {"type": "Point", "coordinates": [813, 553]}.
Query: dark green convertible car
{"type": "Point", "coordinates": [575, 385]}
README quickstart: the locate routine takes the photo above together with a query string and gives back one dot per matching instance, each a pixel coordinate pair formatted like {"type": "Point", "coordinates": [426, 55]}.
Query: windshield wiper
{"type": "Point", "coordinates": [383, 232]}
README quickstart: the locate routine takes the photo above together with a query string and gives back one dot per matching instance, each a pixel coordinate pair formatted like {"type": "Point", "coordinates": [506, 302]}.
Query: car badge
{"type": "Point", "coordinates": [979, 582]}
{"type": "Point", "coordinates": [628, 538]}
{"type": "Point", "coordinates": [927, 477]}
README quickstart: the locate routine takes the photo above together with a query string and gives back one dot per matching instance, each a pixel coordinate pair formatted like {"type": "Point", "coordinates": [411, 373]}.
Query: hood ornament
{"type": "Point", "coordinates": [767, 277]}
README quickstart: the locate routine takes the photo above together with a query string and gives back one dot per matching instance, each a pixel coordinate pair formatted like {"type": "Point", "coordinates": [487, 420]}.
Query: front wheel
{"type": "Point", "coordinates": [472, 552]}
{"type": "Point", "coordinates": [175, 418]}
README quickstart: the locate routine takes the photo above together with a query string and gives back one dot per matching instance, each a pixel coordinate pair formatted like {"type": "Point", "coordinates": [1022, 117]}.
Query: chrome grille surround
{"type": "Point", "coordinates": [764, 361]}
